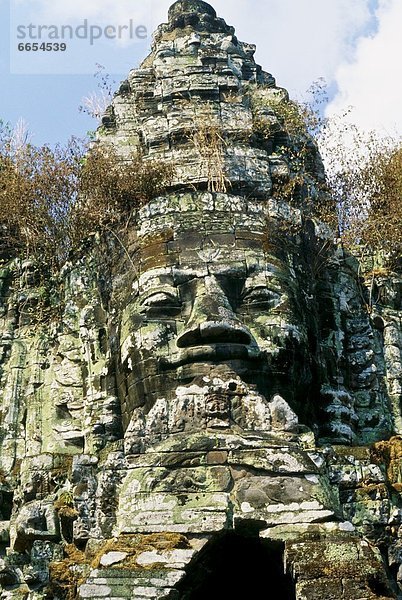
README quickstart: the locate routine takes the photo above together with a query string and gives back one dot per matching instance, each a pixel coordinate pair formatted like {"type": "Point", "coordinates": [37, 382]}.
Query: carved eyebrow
{"type": "Point", "coordinates": [160, 298]}
{"type": "Point", "coordinates": [270, 280]}
{"type": "Point", "coordinates": [150, 282]}
{"type": "Point", "coordinates": [254, 280]}
{"type": "Point", "coordinates": [186, 275]}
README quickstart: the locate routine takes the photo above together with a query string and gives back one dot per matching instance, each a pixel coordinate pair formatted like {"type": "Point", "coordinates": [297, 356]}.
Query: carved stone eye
{"type": "Point", "coordinates": [260, 298]}
{"type": "Point", "coordinates": [160, 304]}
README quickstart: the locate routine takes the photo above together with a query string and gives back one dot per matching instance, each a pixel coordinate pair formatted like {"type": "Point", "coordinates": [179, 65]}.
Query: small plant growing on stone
{"type": "Point", "coordinates": [65, 506]}
{"type": "Point", "coordinates": [285, 128]}
{"type": "Point", "coordinates": [208, 139]}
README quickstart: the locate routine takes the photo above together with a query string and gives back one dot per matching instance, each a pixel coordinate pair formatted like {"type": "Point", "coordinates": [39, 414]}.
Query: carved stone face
{"type": "Point", "coordinates": [213, 321]}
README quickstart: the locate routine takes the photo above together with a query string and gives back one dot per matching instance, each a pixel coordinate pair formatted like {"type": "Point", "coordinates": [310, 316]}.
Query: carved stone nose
{"type": "Point", "coordinates": [212, 319]}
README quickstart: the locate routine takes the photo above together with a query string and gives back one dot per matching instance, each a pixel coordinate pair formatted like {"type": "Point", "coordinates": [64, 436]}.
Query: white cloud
{"type": "Point", "coordinates": [370, 82]}
{"type": "Point", "coordinates": [73, 11]}
{"type": "Point", "coordinates": [298, 41]}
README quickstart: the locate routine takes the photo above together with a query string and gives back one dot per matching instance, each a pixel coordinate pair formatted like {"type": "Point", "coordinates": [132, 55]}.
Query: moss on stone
{"type": "Point", "coordinates": [389, 454]}
{"type": "Point", "coordinates": [358, 452]}
{"type": "Point", "coordinates": [62, 466]}
{"type": "Point", "coordinates": [67, 575]}
{"type": "Point", "coordinates": [134, 545]}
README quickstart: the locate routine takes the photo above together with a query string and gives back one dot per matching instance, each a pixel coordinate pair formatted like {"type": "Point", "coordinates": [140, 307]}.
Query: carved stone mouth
{"type": "Point", "coordinates": [212, 353]}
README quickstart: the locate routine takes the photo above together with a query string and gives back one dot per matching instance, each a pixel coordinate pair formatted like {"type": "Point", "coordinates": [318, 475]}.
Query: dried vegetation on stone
{"type": "Point", "coordinates": [52, 199]}
{"type": "Point", "coordinates": [389, 452]}
{"type": "Point", "coordinates": [65, 576]}
{"type": "Point", "coordinates": [288, 127]}
{"type": "Point", "coordinates": [111, 187]}
{"type": "Point", "coordinates": [365, 179]}
{"type": "Point", "coordinates": [208, 139]}
{"type": "Point", "coordinates": [360, 195]}
{"type": "Point", "coordinates": [64, 506]}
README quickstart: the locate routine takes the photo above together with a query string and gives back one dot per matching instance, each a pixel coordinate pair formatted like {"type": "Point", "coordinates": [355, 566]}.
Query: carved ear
{"type": "Point", "coordinates": [282, 416]}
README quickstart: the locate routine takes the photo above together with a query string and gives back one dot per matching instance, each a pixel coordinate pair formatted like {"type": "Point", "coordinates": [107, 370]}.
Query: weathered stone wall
{"type": "Point", "coordinates": [221, 383]}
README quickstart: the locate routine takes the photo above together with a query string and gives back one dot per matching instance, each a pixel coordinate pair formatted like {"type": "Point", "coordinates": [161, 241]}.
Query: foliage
{"type": "Point", "coordinates": [287, 128]}
{"type": "Point", "coordinates": [359, 196]}
{"type": "Point", "coordinates": [110, 186]}
{"type": "Point", "coordinates": [364, 175]}
{"type": "Point", "coordinates": [38, 186]}
{"type": "Point", "coordinates": [95, 103]}
{"type": "Point", "coordinates": [52, 199]}
{"type": "Point", "coordinates": [273, 112]}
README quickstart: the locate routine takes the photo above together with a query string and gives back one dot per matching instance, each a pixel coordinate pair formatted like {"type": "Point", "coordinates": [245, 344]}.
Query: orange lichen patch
{"type": "Point", "coordinates": [389, 453]}
{"type": "Point", "coordinates": [134, 545]}
{"type": "Point", "coordinates": [379, 272]}
{"type": "Point", "coordinates": [66, 576]}
{"type": "Point", "coordinates": [67, 512]}
{"type": "Point", "coordinates": [74, 554]}
{"type": "Point", "coordinates": [63, 583]}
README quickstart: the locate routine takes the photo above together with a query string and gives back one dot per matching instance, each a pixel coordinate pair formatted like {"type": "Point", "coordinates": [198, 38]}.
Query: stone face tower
{"type": "Point", "coordinates": [214, 414]}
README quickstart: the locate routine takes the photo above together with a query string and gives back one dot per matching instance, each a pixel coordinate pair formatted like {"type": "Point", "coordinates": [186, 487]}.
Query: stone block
{"type": "Point", "coordinates": [188, 512]}
{"type": "Point", "coordinates": [276, 500]}
{"type": "Point", "coordinates": [327, 588]}
{"type": "Point", "coordinates": [111, 558]}
{"type": "Point", "coordinates": [286, 459]}
{"type": "Point", "coordinates": [171, 559]}
{"type": "Point", "coordinates": [94, 591]}
{"type": "Point", "coordinates": [180, 481]}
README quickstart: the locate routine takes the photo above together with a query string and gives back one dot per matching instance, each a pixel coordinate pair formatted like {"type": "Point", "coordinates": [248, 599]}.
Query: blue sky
{"type": "Point", "coordinates": [354, 44]}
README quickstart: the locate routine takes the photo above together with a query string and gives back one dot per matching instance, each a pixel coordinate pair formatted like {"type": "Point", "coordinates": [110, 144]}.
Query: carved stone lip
{"type": "Point", "coordinates": [214, 353]}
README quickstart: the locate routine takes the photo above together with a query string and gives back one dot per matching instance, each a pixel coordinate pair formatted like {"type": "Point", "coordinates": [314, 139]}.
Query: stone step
{"type": "Point", "coordinates": [98, 592]}
{"type": "Point", "coordinates": [163, 577]}
{"type": "Point", "coordinates": [119, 584]}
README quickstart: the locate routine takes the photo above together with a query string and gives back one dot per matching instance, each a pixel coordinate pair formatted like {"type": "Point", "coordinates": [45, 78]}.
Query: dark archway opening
{"type": "Point", "coordinates": [238, 567]}
{"type": "Point", "coordinates": [6, 505]}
